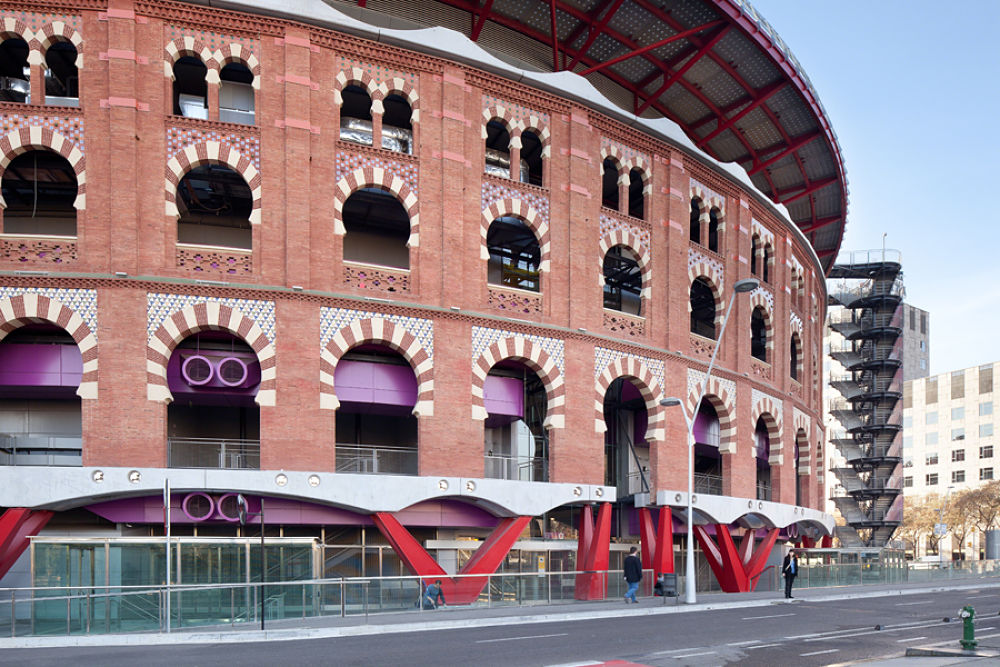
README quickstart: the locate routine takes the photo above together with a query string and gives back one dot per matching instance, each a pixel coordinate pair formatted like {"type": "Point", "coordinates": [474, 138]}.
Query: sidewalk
{"type": "Point", "coordinates": [478, 617]}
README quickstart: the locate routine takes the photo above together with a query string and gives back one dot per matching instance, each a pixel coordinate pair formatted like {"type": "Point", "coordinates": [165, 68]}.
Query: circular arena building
{"type": "Point", "coordinates": [408, 288]}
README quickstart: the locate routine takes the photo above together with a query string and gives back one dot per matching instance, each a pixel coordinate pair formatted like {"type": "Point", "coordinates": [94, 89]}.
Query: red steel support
{"type": "Point", "coordinates": [16, 525]}
{"type": "Point", "coordinates": [592, 553]}
{"type": "Point", "coordinates": [826, 542]}
{"type": "Point", "coordinates": [737, 570]}
{"type": "Point", "coordinates": [657, 547]}
{"type": "Point", "coordinates": [485, 561]}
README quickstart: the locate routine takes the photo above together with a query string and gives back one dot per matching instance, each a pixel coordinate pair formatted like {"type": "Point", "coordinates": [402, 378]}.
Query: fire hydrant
{"type": "Point", "coordinates": [968, 640]}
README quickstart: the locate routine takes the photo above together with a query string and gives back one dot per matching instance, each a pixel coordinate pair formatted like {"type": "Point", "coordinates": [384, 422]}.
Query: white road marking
{"type": "Point", "coordinates": [813, 634]}
{"type": "Point", "coordinates": [751, 618]}
{"type": "Point", "coordinates": [831, 650]}
{"type": "Point", "coordinates": [691, 655]}
{"type": "Point", "coordinates": [747, 643]}
{"type": "Point", "coordinates": [984, 629]}
{"type": "Point", "coordinates": [909, 639]}
{"type": "Point", "coordinates": [908, 604]}
{"type": "Point", "coordinates": [510, 639]}
{"type": "Point", "coordinates": [973, 597]}
{"type": "Point", "coordinates": [762, 646]}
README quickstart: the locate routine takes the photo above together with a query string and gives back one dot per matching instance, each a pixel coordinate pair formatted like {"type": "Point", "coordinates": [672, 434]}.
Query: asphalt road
{"type": "Point", "coordinates": [798, 633]}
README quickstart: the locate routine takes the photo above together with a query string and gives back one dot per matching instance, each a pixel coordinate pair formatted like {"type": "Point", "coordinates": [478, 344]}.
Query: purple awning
{"type": "Point", "coordinates": [368, 382]}
{"type": "Point", "coordinates": [503, 396]}
{"type": "Point", "coordinates": [26, 365]}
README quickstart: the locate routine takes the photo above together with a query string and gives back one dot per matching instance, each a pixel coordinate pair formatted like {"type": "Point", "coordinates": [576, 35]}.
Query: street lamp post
{"type": "Point", "coordinates": [739, 287]}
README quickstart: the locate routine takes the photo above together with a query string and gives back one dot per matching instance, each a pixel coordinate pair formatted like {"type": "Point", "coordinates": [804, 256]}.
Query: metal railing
{"type": "Point", "coordinates": [523, 468]}
{"type": "Point", "coordinates": [708, 484]}
{"type": "Point", "coordinates": [763, 490]}
{"type": "Point", "coordinates": [213, 453]}
{"type": "Point", "coordinates": [377, 460]}
{"type": "Point", "coordinates": [30, 449]}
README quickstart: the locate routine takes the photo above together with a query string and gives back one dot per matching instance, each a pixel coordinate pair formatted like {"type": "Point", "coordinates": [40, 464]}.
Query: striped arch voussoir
{"type": "Point", "coordinates": [376, 177]}
{"type": "Point", "coordinates": [534, 357]}
{"type": "Point", "coordinates": [17, 311]}
{"type": "Point", "coordinates": [638, 163]}
{"type": "Point", "coordinates": [60, 31]}
{"type": "Point", "coordinates": [518, 209]}
{"type": "Point", "coordinates": [37, 137]}
{"type": "Point", "coordinates": [724, 405]}
{"type": "Point", "coordinates": [640, 375]}
{"type": "Point", "coordinates": [501, 114]}
{"type": "Point", "coordinates": [201, 317]}
{"type": "Point", "coordinates": [801, 425]}
{"type": "Point", "coordinates": [237, 53]}
{"type": "Point", "coordinates": [384, 332]}
{"type": "Point", "coordinates": [189, 46]}
{"type": "Point", "coordinates": [211, 152]}
{"type": "Point", "coordinates": [630, 240]}
{"type": "Point", "coordinates": [771, 412]}
{"type": "Point", "coordinates": [709, 201]}
{"type": "Point", "coordinates": [535, 124]}
{"type": "Point", "coordinates": [402, 87]}
{"type": "Point", "coordinates": [355, 76]}
{"type": "Point", "coordinates": [714, 278]}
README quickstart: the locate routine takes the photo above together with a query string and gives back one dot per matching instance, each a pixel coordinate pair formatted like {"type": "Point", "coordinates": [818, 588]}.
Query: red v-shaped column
{"type": "Point", "coordinates": [737, 570]}
{"type": "Point", "coordinates": [593, 553]}
{"type": "Point", "coordinates": [16, 525]}
{"type": "Point", "coordinates": [486, 559]}
{"type": "Point", "coordinates": [658, 546]}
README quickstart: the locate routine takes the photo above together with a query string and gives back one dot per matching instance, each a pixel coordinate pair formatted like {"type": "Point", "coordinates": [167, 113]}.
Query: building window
{"type": "Point", "coordinates": [985, 473]}
{"type": "Point", "coordinates": [986, 379]}
{"type": "Point", "coordinates": [15, 73]}
{"type": "Point", "coordinates": [39, 188]}
{"type": "Point", "coordinates": [931, 459]}
{"type": "Point", "coordinates": [923, 344]}
{"type": "Point", "coordinates": [377, 229]}
{"type": "Point", "coordinates": [931, 418]}
{"type": "Point", "coordinates": [61, 79]}
{"type": "Point", "coordinates": [907, 421]}
{"type": "Point", "coordinates": [713, 230]}
{"type": "Point", "coordinates": [702, 309]}
{"type": "Point", "coordinates": [515, 256]}
{"type": "Point", "coordinates": [753, 255]}
{"type": "Point", "coordinates": [957, 455]}
{"type": "Point", "coordinates": [931, 479]}
{"type": "Point", "coordinates": [636, 195]}
{"type": "Point", "coordinates": [766, 261]}
{"type": "Point", "coordinates": [695, 221]}
{"type": "Point", "coordinates": [986, 452]}
{"type": "Point", "coordinates": [985, 430]}
{"type": "Point", "coordinates": [531, 158]}
{"type": "Point", "coordinates": [923, 364]}
{"type": "Point", "coordinates": [236, 103]}
{"type": "Point", "coordinates": [907, 482]}
{"type": "Point", "coordinates": [190, 88]}
{"type": "Point", "coordinates": [957, 476]}
{"type": "Point", "coordinates": [498, 151]}
{"type": "Point", "coordinates": [958, 384]}
{"type": "Point", "coordinates": [609, 184]}
{"type": "Point", "coordinates": [356, 115]}
{"type": "Point", "coordinates": [622, 281]}
{"type": "Point", "coordinates": [907, 441]}
{"type": "Point", "coordinates": [985, 409]}
{"type": "Point", "coordinates": [794, 356]}
{"type": "Point", "coordinates": [958, 434]}
{"type": "Point", "coordinates": [923, 323]}
{"type": "Point", "coordinates": [907, 395]}
{"type": "Point", "coordinates": [397, 124]}
{"type": "Point", "coordinates": [931, 438]}
{"type": "Point", "coordinates": [957, 413]}
{"type": "Point", "coordinates": [214, 203]}
{"type": "Point", "coordinates": [931, 391]}
{"type": "Point", "coordinates": [758, 334]}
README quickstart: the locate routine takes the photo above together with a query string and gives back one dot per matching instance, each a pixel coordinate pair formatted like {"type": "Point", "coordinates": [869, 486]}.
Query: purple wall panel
{"type": "Point", "coordinates": [503, 396]}
{"type": "Point", "coordinates": [40, 365]}
{"type": "Point", "coordinates": [366, 382]}
{"type": "Point", "coordinates": [177, 384]}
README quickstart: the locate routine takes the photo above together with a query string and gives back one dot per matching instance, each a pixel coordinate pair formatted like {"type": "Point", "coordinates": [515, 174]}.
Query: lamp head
{"type": "Point", "coordinates": [670, 401]}
{"type": "Point", "coordinates": [746, 285]}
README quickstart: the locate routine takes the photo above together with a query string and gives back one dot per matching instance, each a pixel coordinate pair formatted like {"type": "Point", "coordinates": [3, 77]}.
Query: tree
{"type": "Point", "coordinates": [919, 517]}
{"type": "Point", "coordinates": [959, 517]}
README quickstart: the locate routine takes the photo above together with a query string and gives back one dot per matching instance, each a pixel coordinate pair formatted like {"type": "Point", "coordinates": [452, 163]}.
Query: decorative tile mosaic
{"type": "Point", "coordinates": [70, 127]}
{"type": "Point", "coordinates": [696, 380]}
{"type": "Point", "coordinates": [757, 395]}
{"type": "Point", "coordinates": [37, 21]}
{"type": "Point", "coordinates": [768, 297]}
{"type": "Point", "coordinates": [378, 72]}
{"type": "Point", "coordinates": [708, 192]}
{"type": "Point", "coordinates": [603, 357]}
{"type": "Point", "coordinates": [161, 306]}
{"type": "Point", "coordinates": [517, 111]}
{"type": "Point", "coordinates": [695, 257]}
{"type": "Point", "coordinates": [179, 138]}
{"type": "Point", "coordinates": [610, 223]}
{"type": "Point", "coordinates": [350, 162]}
{"type": "Point", "coordinates": [493, 191]}
{"type": "Point", "coordinates": [213, 40]}
{"type": "Point", "coordinates": [625, 152]}
{"type": "Point", "coordinates": [83, 302]}
{"type": "Point", "coordinates": [332, 320]}
{"type": "Point", "coordinates": [483, 337]}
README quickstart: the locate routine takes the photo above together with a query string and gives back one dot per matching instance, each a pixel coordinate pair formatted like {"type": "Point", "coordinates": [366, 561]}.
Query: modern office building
{"type": "Point", "coordinates": [411, 278]}
{"type": "Point", "coordinates": [916, 339]}
{"type": "Point", "coordinates": [865, 346]}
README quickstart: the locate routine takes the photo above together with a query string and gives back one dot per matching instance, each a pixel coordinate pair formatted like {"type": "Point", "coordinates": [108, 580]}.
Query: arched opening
{"type": "Point", "coordinates": [213, 421]}
{"type": "Point", "coordinates": [236, 99]}
{"type": "Point", "coordinates": [190, 88]}
{"type": "Point", "coordinates": [794, 356]}
{"type": "Point", "coordinates": [753, 255]}
{"type": "Point", "coordinates": [515, 442]}
{"type": "Point", "coordinates": [758, 334]}
{"type": "Point", "coordinates": [531, 156]}
{"type": "Point", "coordinates": [40, 416]}
{"type": "Point", "coordinates": [356, 115]}
{"type": "Point", "coordinates": [39, 187]}
{"type": "Point", "coordinates": [397, 126]}
{"type": "Point", "coordinates": [695, 221]}
{"type": "Point", "coordinates": [626, 451]}
{"type": "Point", "coordinates": [62, 82]}
{"type": "Point", "coordinates": [498, 152]}
{"type": "Point", "coordinates": [376, 428]}
{"type": "Point", "coordinates": [214, 203]}
{"type": "Point", "coordinates": [707, 457]}
{"type": "Point", "coordinates": [713, 230]}
{"type": "Point", "coordinates": [609, 184]}
{"type": "Point", "coordinates": [702, 308]}
{"type": "Point", "coordinates": [15, 74]}
{"type": "Point", "coordinates": [377, 229]}
{"type": "Point", "coordinates": [622, 281]}
{"type": "Point", "coordinates": [766, 263]}
{"type": "Point", "coordinates": [762, 454]}
{"type": "Point", "coordinates": [515, 256]}
{"type": "Point", "coordinates": [801, 444]}
{"type": "Point", "coordinates": [636, 195]}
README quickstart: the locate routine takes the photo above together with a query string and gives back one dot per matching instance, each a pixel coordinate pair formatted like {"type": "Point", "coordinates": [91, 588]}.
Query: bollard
{"type": "Point", "coordinates": [968, 641]}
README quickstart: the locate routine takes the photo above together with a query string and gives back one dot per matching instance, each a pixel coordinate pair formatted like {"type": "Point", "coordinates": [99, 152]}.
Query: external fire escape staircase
{"type": "Point", "coordinates": [869, 288]}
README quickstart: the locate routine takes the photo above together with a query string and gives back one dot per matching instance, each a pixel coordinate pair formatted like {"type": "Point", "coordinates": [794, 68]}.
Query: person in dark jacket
{"type": "Point", "coordinates": [790, 569]}
{"type": "Point", "coordinates": [633, 574]}
{"type": "Point", "coordinates": [433, 595]}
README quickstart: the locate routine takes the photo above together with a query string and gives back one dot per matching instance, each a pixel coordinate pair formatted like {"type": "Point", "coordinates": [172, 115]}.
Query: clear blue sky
{"type": "Point", "coordinates": [912, 88]}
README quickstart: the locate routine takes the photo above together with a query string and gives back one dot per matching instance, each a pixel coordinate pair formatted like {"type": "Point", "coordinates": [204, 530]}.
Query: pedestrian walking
{"type": "Point", "coordinates": [790, 569]}
{"type": "Point", "coordinates": [633, 574]}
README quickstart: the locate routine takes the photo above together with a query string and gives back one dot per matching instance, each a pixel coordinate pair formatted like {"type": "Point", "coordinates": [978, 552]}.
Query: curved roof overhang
{"type": "Point", "coordinates": [748, 512]}
{"type": "Point", "coordinates": [714, 67]}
